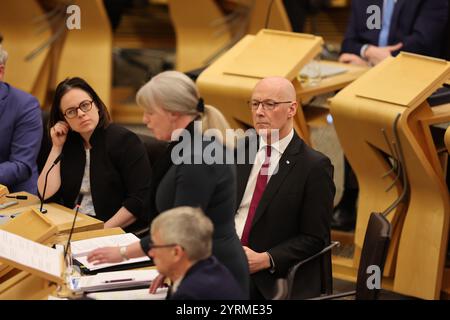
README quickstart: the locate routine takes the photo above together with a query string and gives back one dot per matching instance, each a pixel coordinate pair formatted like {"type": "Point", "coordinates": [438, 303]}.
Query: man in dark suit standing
{"type": "Point", "coordinates": [181, 250]}
{"type": "Point", "coordinates": [285, 193]}
{"type": "Point", "coordinates": [416, 26]}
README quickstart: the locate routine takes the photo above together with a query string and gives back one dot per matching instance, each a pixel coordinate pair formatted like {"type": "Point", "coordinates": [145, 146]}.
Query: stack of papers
{"type": "Point", "coordinates": [326, 71]}
{"type": "Point", "coordinates": [141, 294]}
{"type": "Point", "coordinates": [80, 249]}
{"type": "Point", "coordinates": [114, 280]}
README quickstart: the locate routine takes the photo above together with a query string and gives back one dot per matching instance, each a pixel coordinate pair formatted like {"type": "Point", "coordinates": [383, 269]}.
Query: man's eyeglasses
{"type": "Point", "coordinates": [84, 106]}
{"type": "Point", "coordinates": [158, 246]}
{"type": "Point", "coordinates": [266, 104]}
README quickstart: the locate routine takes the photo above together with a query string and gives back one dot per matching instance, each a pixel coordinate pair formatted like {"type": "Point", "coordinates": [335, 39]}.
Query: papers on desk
{"type": "Point", "coordinates": [81, 248]}
{"type": "Point", "coordinates": [326, 71]}
{"type": "Point", "coordinates": [141, 294]}
{"type": "Point", "coordinates": [35, 257]}
{"type": "Point", "coordinates": [4, 219]}
{"type": "Point", "coordinates": [114, 280]}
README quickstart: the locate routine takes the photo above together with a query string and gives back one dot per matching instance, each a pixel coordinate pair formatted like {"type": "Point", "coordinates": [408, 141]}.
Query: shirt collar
{"type": "Point", "coordinates": [279, 146]}
{"type": "Point", "coordinates": [176, 284]}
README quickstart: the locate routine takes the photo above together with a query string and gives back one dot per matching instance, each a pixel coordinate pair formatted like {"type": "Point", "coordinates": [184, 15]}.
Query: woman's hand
{"type": "Point", "coordinates": [58, 133]}
{"type": "Point", "coordinates": [105, 255]}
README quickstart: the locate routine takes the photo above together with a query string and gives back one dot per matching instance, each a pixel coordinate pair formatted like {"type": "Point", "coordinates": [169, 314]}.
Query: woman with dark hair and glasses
{"type": "Point", "coordinates": [105, 163]}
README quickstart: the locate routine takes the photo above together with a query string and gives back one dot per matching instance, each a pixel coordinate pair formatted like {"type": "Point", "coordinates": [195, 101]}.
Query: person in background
{"type": "Point", "coordinates": [417, 26]}
{"type": "Point", "coordinates": [181, 250]}
{"type": "Point", "coordinates": [20, 135]}
{"type": "Point", "coordinates": [104, 162]}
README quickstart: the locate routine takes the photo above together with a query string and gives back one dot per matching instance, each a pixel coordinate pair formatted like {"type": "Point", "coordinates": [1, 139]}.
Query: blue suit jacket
{"type": "Point", "coordinates": [208, 280]}
{"type": "Point", "coordinates": [20, 139]}
{"type": "Point", "coordinates": [418, 24]}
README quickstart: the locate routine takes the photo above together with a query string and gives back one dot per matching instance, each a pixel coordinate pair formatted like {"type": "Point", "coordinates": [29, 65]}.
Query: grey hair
{"type": "Point", "coordinates": [170, 90]}
{"type": "Point", "coordinates": [3, 55]}
{"type": "Point", "coordinates": [188, 227]}
{"type": "Point", "coordinates": [175, 92]}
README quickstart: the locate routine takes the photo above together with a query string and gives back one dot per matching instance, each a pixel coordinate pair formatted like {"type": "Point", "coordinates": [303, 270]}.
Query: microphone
{"type": "Point", "coordinates": [58, 158]}
{"type": "Point", "coordinates": [79, 199]}
{"type": "Point", "coordinates": [19, 197]}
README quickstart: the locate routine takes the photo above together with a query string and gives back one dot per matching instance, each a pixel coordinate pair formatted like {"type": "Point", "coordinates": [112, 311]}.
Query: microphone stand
{"type": "Point", "coordinates": [79, 199]}
{"type": "Point", "coordinates": [65, 290]}
{"type": "Point", "coordinates": [41, 209]}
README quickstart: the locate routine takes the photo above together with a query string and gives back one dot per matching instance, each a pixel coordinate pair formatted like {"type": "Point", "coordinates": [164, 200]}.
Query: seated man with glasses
{"type": "Point", "coordinates": [181, 251]}
{"type": "Point", "coordinates": [104, 162]}
{"type": "Point", "coordinates": [284, 194]}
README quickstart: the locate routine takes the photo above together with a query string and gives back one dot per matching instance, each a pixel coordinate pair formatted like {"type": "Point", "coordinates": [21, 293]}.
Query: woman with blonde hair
{"type": "Point", "coordinates": [173, 111]}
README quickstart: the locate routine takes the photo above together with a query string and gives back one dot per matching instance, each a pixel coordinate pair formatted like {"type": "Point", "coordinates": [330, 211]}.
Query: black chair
{"type": "Point", "coordinates": [281, 290]}
{"type": "Point", "coordinates": [295, 289]}
{"type": "Point", "coordinates": [373, 253]}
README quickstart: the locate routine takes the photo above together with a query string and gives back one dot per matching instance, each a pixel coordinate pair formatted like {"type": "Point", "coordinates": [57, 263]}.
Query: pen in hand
{"type": "Point", "coordinates": [118, 280]}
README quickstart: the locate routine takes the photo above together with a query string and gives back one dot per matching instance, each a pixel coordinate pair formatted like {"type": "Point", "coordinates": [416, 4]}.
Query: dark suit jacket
{"type": "Point", "coordinates": [292, 220]}
{"type": "Point", "coordinates": [120, 173]}
{"type": "Point", "coordinates": [418, 24]}
{"type": "Point", "coordinates": [20, 139]}
{"type": "Point", "coordinates": [208, 280]}
{"type": "Point", "coordinates": [210, 186]}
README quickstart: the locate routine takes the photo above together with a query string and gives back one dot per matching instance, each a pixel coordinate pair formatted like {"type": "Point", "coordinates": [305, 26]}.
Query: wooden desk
{"type": "Point", "coordinates": [61, 238]}
{"type": "Point", "coordinates": [382, 118]}
{"type": "Point", "coordinates": [33, 225]}
{"type": "Point", "coordinates": [25, 286]}
{"type": "Point", "coordinates": [32, 199]}
{"type": "Point", "coordinates": [329, 84]}
{"type": "Point", "coordinates": [62, 217]}
{"type": "Point", "coordinates": [201, 32]}
{"type": "Point", "coordinates": [230, 93]}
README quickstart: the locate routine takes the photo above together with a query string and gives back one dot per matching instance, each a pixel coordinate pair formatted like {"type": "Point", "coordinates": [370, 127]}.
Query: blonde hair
{"type": "Point", "coordinates": [188, 227]}
{"type": "Point", "coordinates": [175, 92]}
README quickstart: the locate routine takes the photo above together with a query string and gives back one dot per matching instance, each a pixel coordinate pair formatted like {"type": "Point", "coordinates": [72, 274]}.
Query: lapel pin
{"type": "Point", "coordinates": [287, 161]}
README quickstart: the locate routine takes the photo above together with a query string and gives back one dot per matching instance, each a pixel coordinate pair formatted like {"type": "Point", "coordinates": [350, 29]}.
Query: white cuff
{"type": "Point", "coordinates": [362, 53]}
{"type": "Point", "coordinates": [272, 263]}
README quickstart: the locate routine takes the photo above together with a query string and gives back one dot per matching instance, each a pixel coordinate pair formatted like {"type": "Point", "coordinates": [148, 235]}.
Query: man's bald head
{"type": "Point", "coordinates": [284, 87]}
{"type": "Point", "coordinates": [279, 92]}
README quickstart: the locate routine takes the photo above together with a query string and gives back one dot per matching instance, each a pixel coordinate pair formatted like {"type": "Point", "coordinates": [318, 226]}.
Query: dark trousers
{"type": "Point", "coordinates": [255, 294]}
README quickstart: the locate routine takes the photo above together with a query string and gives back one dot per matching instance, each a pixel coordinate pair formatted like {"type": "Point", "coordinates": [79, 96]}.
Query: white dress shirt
{"type": "Point", "coordinates": [277, 151]}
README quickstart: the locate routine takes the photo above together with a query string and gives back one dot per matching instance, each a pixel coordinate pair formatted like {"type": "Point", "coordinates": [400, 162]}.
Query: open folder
{"type": "Point", "coordinates": [81, 248]}
{"type": "Point", "coordinates": [114, 280]}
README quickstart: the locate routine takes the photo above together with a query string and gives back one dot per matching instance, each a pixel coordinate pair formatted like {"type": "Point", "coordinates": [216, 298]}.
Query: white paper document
{"type": "Point", "coordinates": [141, 294]}
{"type": "Point", "coordinates": [30, 254]}
{"type": "Point", "coordinates": [81, 248]}
{"type": "Point", "coordinates": [114, 280]}
{"type": "Point", "coordinates": [326, 71]}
